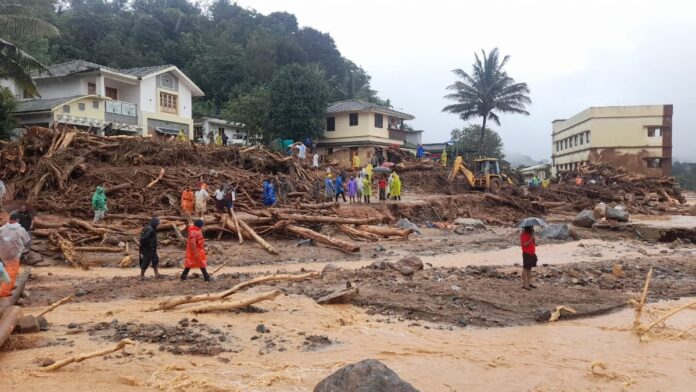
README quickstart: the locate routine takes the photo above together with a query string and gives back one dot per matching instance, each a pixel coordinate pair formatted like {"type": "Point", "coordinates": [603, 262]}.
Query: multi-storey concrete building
{"type": "Point", "coordinates": [636, 138]}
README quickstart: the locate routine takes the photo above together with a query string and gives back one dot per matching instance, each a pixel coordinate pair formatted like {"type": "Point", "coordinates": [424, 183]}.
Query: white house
{"type": "Point", "coordinates": [145, 100]}
{"type": "Point", "coordinates": [205, 127]}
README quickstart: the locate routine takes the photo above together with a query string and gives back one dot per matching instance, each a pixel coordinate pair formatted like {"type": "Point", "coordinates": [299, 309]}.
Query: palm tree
{"type": "Point", "coordinates": [487, 90]}
{"type": "Point", "coordinates": [14, 62]}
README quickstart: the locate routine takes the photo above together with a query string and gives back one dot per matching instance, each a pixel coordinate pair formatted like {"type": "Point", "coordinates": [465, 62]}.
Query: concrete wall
{"type": "Point", "coordinates": [344, 155]}
{"type": "Point", "coordinates": [148, 95]}
{"type": "Point", "coordinates": [12, 86]}
{"type": "Point", "coordinates": [89, 112]}
{"type": "Point", "coordinates": [618, 132]}
{"type": "Point", "coordinates": [61, 87]}
{"type": "Point", "coordinates": [365, 127]}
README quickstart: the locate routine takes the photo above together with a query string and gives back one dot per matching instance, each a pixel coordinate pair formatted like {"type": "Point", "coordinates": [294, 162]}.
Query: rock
{"type": "Point", "coordinates": [80, 293]}
{"type": "Point", "coordinates": [29, 324]}
{"type": "Point", "coordinates": [470, 222]}
{"type": "Point", "coordinates": [618, 213]}
{"type": "Point", "coordinates": [184, 322]}
{"type": "Point", "coordinates": [330, 268]}
{"type": "Point", "coordinates": [381, 265]}
{"type": "Point", "coordinates": [410, 261]}
{"type": "Point", "coordinates": [617, 271]}
{"type": "Point", "coordinates": [43, 323]}
{"type": "Point", "coordinates": [541, 314]}
{"type": "Point", "coordinates": [463, 322]}
{"type": "Point", "coordinates": [379, 248]}
{"type": "Point", "coordinates": [339, 297]}
{"type": "Point", "coordinates": [72, 325]}
{"type": "Point", "coordinates": [305, 242]}
{"type": "Point", "coordinates": [556, 231]}
{"type": "Point", "coordinates": [407, 271]}
{"type": "Point", "coordinates": [584, 219]}
{"type": "Point", "coordinates": [368, 375]}
{"type": "Point", "coordinates": [261, 328]}
{"type": "Point", "coordinates": [404, 223]}
{"type": "Point", "coordinates": [31, 258]}
{"type": "Point", "coordinates": [599, 211]}
{"type": "Point", "coordinates": [596, 254]}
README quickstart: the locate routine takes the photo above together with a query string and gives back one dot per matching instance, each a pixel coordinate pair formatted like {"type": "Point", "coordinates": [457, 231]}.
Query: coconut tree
{"type": "Point", "coordinates": [14, 62]}
{"type": "Point", "coordinates": [487, 91]}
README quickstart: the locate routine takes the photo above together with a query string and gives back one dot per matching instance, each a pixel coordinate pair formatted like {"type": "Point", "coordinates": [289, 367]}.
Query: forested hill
{"type": "Point", "coordinates": [227, 50]}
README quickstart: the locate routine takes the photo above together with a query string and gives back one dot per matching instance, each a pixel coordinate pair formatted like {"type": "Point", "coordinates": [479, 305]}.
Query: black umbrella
{"type": "Point", "coordinates": [531, 221]}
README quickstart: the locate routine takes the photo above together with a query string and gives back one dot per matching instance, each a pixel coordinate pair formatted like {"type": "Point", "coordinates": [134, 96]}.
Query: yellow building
{"type": "Point", "coordinates": [635, 138]}
{"type": "Point", "coordinates": [361, 127]}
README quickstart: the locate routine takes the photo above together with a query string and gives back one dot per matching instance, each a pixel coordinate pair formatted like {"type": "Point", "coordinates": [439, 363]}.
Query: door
{"type": "Point", "coordinates": [112, 93]}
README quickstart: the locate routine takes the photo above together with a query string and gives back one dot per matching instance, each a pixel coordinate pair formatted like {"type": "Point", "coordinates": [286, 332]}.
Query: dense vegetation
{"type": "Point", "coordinates": [685, 174]}
{"type": "Point", "coordinates": [232, 53]}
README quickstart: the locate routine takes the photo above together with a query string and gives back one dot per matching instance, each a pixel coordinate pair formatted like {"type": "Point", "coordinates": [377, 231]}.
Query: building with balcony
{"type": "Point", "coordinates": [206, 130]}
{"type": "Point", "coordinates": [358, 126]}
{"type": "Point", "coordinates": [635, 138]}
{"type": "Point", "coordinates": [145, 100]}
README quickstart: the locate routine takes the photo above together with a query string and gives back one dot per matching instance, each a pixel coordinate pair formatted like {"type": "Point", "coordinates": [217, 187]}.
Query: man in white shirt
{"type": "Point", "coordinates": [301, 151]}
{"type": "Point", "coordinates": [315, 161]}
{"type": "Point", "coordinates": [219, 196]}
{"type": "Point", "coordinates": [201, 197]}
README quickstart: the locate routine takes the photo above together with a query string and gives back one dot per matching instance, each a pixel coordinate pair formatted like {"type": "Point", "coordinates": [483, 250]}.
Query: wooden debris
{"type": "Point", "coordinates": [324, 239]}
{"type": "Point", "coordinates": [357, 233]}
{"type": "Point", "coordinates": [81, 357]}
{"type": "Point", "coordinates": [8, 322]}
{"type": "Point", "coordinates": [386, 231]}
{"type": "Point", "coordinates": [57, 304]}
{"type": "Point", "coordinates": [270, 249]}
{"type": "Point", "coordinates": [556, 314]}
{"type": "Point", "coordinates": [237, 304]}
{"type": "Point", "coordinates": [156, 180]}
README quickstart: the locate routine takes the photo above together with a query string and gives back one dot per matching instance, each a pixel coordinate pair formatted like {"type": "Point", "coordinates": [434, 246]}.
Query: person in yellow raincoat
{"type": "Point", "coordinates": [368, 171]}
{"type": "Point", "coordinates": [443, 158]}
{"type": "Point", "coordinates": [356, 162]}
{"type": "Point", "coordinates": [181, 136]}
{"type": "Point", "coordinates": [395, 191]}
{"type": "Point", "coordinates": [218, 140]}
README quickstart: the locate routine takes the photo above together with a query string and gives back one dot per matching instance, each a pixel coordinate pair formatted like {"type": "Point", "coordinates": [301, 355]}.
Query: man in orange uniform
{"type": "Point", "coordinates": [187, 202]}
{"type": "Point", "coordinates": [13, 242]}
{"type": "Point", "coordinates": [195, 251]}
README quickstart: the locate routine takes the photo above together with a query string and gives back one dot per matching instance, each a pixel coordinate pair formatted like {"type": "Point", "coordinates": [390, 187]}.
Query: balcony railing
{"type": "Point", "coordinates": [121, 112]}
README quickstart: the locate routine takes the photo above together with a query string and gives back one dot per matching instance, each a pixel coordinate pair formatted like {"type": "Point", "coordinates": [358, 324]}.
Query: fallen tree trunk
{"type": "Point", "coordinates": [156, 180]}
{"type": "Point", "coordinates": [236, 223]}
{"type": "Point", "coordinates": [327, 219]}
{"type": "Point", "coordinates": [324, 239]}
{"type": "Point", "coordinates": [111, 249]}
{"type": "Point", "coordinates": [386, 231]}
{"type": "Point", "coordinates": [237, 304]}
{"type": "Point", "coordinates": [8, 322]}
{"type": "Point", "coordinates": [81, 357]}
{"type": "Point", "coordinates": [174, 302]}
{"type": "Point", "coordinates": [357, 233]}
{"type": "Point", "coordinates": [257, 238]}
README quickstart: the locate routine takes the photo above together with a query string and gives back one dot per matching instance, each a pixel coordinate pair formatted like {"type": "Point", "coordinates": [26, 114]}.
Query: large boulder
{"type": "Point", "coordinates": [618, 213]}
{"type": "Point", "coordinates": [470, 222]}
{"type": "Point", "coordinates": [599, 211]}
{"type": "Point", "coordinates": [584, 219]}
{"type": "Point", "coordinates": [558, 231]}
{"type": "Point", "coordinates": [366, 376]}
{"type": "Point", "coordinates": [413, 262]}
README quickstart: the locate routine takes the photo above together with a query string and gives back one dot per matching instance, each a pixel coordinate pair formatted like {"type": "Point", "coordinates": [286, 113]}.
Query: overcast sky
{"type": "Point", "coordinates": [572, 54]}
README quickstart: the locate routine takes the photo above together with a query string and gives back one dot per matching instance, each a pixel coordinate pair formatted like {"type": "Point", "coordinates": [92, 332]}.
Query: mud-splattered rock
{"type": "Point", "coordinates": [470, 222]}
{"type": "Point", "coordinates": [541, 314]}
{"type": "Point", "coordinates": [410, 261]}
{"type": "Point", "coordinates": [367, 375]}
{"type": "Point", "coordinates": [407, 271]}
{"type": "Point", "coordinates": [330, 268]}
{"type": "Point", "coordinates": [584, 219]}
{"type": "Point", "coordinates": [316, 342]}
{"type": "Point", "coordinates": [618, 213]}
{"type": "Point", "coordinates": [339, 297]}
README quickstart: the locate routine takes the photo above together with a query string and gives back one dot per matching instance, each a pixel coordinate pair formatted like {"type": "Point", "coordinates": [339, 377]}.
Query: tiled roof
{"type": "Point", "coordinates": [78, 66]}
{"type": "Point", "coordinates": [143, 71]}
{"type": "Point", "coordinates": [355, 105]}
{"type": "Point", "coordinates": [38, 105]}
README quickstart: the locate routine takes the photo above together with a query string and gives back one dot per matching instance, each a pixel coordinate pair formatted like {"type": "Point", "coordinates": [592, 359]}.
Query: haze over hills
{"type": "Point", "coordinates": [517, 159]}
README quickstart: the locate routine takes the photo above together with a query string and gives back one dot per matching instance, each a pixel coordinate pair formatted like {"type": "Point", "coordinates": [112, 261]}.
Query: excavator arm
{"type": "Point", "coordinates": [459, 166]}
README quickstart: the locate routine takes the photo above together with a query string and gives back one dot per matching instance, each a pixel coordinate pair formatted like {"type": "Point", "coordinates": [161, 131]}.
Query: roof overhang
{"type": "Point", "coordinates": [195, 90]}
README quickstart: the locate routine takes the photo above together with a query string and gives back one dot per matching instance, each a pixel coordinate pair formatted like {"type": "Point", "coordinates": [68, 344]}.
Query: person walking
{"type": "Point", "coordinates": [328, 188]}
{"type": "Point", "coordinates": [359, 187]}
{"type": "Point", "coordinates": [301, 151]}
{"type": "Point", "coordinates": [352, 189]}
{"type": "Point", "coordinates": [99, 204]}
{"type": "Point", "coordinates": [218, 139]}
{"type": "Point", "coordinates": [529, 257]}
{"type": "Point", "coordinates": [201, 198]}
{"type": "Point", "coordinates": [269, 197]}
{"type": "Point", "coordinates": [13, 242]}
{"type": "Point", "coordinates": [420, 152]}
{"type": "Point", "coordinates": [148, 248]}
{"type": "Point", "coordinates": [382, 185]}
{"type": "Point", "coordinates": [187, 203]}
{"type": "Point", "coordinates": [367, 190]}
{"type": "Point", "coordinates": [195, 251]}
{"type": "Point", "coordinates": [396, 183]}
{"type": "Point", "coordinates": [340, 191]}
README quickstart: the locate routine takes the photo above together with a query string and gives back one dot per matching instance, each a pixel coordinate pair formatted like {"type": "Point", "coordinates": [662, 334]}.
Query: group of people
{"type": "Point", "coordinates": [359, 189]}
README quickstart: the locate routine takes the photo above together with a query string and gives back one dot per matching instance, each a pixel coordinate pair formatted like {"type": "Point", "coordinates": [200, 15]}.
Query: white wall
{"type": "Point", "coordinates": [12, 86]}
{"type": "Point", "coordinates": [61, 87]}
{"type": "Point", "coordinates": [148, 94]}
{"type": "Point", "coordinates": [184, 100]}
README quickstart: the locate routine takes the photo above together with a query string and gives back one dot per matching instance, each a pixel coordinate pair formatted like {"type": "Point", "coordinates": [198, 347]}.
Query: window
{"type": "Point", "coordinates": [81, 107]}
{"type": "Point", "coordinates": [353, 119]}
{"type": "Point", "coordinates": [654, 132]}
{"type": "Point", "coordinates": [331, 124]}
{"type": "Point", "coordinates": [575, 140]}
{"type": "Point", "coordinates": [168, 103]}
{"type": "Point", "coordinates": [112, 93]}
{"type": "Point", "coordinates": [379, 120]}
{"type": "Point", "coordinates": [582, 139]}
{"type": "Point", "coordinates": [588, 137]}
{"type": "Point", "coordinates": [167, 81]}
{"type": "Point", "coordinates": [91, 89]}
{"type": "Point", "coordinates": [95, 104]}
{"type": "Point", "coordinates": [654, 163]}
{"type": "Point", "coordinates": [66, 108]}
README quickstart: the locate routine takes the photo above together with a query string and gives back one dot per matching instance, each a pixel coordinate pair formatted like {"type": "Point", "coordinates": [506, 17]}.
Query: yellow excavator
{"type": "Point", "coordinates": [485, 176]}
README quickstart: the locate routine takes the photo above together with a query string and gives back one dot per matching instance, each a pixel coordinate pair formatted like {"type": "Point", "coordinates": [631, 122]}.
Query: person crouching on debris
{"type": "Point", "coordinates": [201, 197]}
{"type": "Point", "coordinates": [13, 242]}
{"type": "Point", "coordinates": [148, 248]}
{"type": "Point", "coordinates": [195, 251]}
{"type": "Point", "coordinates": [269, 197]}
{"type": "Point", "coordinates": [187, 203]}
{"type": "Point", "coordinates": [99, 204]}
{"type": "Point", "coordinates": [529, 257]}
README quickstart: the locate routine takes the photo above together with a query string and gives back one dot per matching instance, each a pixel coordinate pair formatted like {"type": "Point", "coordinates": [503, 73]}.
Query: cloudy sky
{"type": "Point", "coordinates": [572, 54]}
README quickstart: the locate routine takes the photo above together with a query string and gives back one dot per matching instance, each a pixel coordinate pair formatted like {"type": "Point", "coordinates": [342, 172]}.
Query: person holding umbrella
{"type": "Point", "coordinates": [528, 243]}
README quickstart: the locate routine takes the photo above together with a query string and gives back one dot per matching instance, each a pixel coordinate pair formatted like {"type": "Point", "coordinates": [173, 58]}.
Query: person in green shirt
{"type": "Point", "coordinates": [99, 204]}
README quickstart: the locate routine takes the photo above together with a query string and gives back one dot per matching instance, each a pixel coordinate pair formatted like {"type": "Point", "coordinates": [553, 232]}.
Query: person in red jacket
{"type": "Point", "coordinates": [195, 251]}
{"type": "Point", "coordinates": [382, 185]}
{"type": "Point", "coordinates": [529, 257]}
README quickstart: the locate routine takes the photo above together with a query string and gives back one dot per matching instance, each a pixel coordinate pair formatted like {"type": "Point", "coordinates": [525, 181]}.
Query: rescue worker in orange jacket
{"type": "Point", "coordinates": [195, 251]}
{"type": "Point", "coordinates": [187, 202]}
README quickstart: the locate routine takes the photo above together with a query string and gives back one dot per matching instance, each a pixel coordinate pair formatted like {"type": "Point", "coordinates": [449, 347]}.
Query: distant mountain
{"type": "Point", "coordinates": [516, 159]}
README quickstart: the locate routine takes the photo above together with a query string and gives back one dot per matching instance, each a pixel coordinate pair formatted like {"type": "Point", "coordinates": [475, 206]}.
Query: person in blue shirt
{"type": "Point", "coordinates": [328, 188]}
{"type": "Point", "coordinates": [269, 197]}
{"type": "Point", "coordinates": [339, 188]}
{"type": "Point", "coordinates": [420, 152]}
